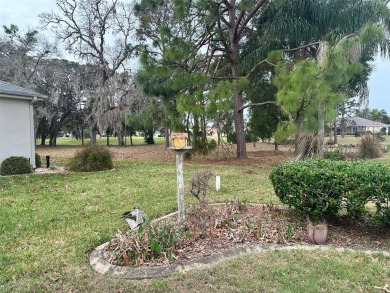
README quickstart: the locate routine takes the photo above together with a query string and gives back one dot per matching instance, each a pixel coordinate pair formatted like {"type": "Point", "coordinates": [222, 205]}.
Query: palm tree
{"type": "Point", "coordinates": [330, 32]}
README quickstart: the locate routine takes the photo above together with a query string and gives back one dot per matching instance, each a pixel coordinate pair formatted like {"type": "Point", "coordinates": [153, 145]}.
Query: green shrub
{"type": "Point", "coordinates": [15, 165]}
{"type": "Point", "coordinates": [370, 147]}
{"type": "Point", "coordinates": [38, 161]}
{"type": "Point", "coordinates": [321, 188]}
{"type": "Point", "coordinates": [339, 155]}
{"type": "Point", "coordinates": [91, 159]}
{"type": "Point", "coordinates": [205, 147]}
{"type": "Point", "coordinates": [187, 155]}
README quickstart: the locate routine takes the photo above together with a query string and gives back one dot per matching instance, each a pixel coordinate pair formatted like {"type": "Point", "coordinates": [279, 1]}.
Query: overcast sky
{"type": "Point", "coordinates": [24, 13]}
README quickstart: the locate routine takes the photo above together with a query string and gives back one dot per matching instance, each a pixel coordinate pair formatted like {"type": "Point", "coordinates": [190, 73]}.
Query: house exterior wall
{"type": "Point", "coordinates": [16, 129]}
{"type": "Point", "coordinates": [353, 129]}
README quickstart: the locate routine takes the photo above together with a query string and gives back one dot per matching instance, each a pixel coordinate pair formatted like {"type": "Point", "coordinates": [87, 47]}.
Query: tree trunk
{"type": "Point", "coordinates": [36, 124]}
{"type": "Point", "coordinates": [204, 129]}
{"type": "Point", "coordinates": [92, 130]}
{"type": "Point", "coordinates": [166, 137]}
{"type": "Point", "coordinates": [121, 141]}
{"type": "Point", "coordinates": [322, 51]}
{"type": "Point", "coordinates": [92, 136]}
{"type": "Point", "coordinates": [51, 139]}
{"type": "Point", "coordinates": [43, 139]}
{"type": "Point", "coordinates": [218, 132]}
{"type": "Point", "coordinates": [297, 135]}
{"type": "Point", "coordinates": [335, 131]}
{"type": "Point", "coordinates": [234, 59]}
{"type": "Point", "coordinates": [195, 131]}
{"type": "Point", "coordinates": [342, 126]}
{"type": "Point", "coordinates": [239, 118]}
{"type": "Point", "coordinates": [321, 131]}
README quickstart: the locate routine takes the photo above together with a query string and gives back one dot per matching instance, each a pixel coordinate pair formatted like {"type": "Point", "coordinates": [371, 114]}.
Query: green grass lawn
{"type": "Point", "coordinates": [50, 222]}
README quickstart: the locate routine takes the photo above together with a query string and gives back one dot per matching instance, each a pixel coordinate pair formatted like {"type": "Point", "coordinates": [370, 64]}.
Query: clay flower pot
{"type": "Point", "coordinates": [317, 233]}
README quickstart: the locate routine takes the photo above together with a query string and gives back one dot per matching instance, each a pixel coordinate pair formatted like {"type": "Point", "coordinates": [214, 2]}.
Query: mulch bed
{"type": "Point", "coordinates": [214, 228]}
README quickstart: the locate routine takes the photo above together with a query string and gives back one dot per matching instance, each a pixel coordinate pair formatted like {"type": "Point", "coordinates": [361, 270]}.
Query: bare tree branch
{"type": "Point", "coordinates": [254, 68]}
{"type": "Point", "coordinates": [258, 105]}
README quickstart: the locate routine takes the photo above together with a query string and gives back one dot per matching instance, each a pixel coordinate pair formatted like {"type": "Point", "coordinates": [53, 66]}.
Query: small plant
{"type": "Point", "coordinates": [289, 231]}
{"type": "Point", "coordinates": [200, 185]}
{"type": "Point", "coordinates": [340, 155]}
{"type": "Point", "coordinates": [38, 161]}
{"type": "Point", "coordinates": [91, 159]}
{"type": "Point", "coordinates": [149, 242]}
{"type": "Point", "coordinates": [15, 166]}
{"type": "Point", "coordinates": [370, 147]}
{"type": "Point", "coordinates": [201, 217]}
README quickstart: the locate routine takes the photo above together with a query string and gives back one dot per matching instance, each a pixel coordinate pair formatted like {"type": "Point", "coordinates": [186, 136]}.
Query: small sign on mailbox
{"type": "Point", "coordinates": [179, 140]}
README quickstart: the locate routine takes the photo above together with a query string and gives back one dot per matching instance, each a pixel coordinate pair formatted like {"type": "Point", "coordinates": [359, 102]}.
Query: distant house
{"type": "Point", "coordinates": [358, 124]}
{"type": "Point", "coordinates": [16, 121]}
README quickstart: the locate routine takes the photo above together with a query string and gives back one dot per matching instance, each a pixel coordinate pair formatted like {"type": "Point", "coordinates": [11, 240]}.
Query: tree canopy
{"type": "Point", "coordinates": [264, 68]}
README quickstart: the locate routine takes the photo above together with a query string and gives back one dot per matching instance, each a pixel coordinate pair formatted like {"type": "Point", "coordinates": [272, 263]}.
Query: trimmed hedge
{"type": "Point", "coordinates": [321, 188]}
{"type": "Point", "coordinates": [91, 159]}
{"type": "Point", "coordinates": [15, 165]}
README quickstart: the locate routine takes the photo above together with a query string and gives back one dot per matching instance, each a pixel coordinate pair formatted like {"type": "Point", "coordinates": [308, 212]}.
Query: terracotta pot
{"type": "Point", "coordinates": [318, 233]}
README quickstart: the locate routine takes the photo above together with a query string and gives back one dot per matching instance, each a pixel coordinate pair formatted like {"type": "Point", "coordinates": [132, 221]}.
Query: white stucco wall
{"type": "Point", "coordinates": [16, 129]}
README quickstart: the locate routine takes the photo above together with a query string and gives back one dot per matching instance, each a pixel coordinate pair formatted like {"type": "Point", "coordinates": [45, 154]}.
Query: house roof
{"type": "Point", "coordinates": [359, 121]}
{"type": "Point", "coordinates": [10, 90]}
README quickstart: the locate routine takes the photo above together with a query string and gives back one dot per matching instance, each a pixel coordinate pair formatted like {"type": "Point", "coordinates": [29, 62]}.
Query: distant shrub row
{"type": "Point", "coordinates": [321, 188]}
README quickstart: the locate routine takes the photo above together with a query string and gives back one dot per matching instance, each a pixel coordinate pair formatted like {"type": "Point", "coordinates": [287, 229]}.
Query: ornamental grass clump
{"type": "Point", "coordinates": [15, 166]}
{"type": "Point", "coordinates": [91, 159]}
{"type": "Point", "coordinates": [370, 147]}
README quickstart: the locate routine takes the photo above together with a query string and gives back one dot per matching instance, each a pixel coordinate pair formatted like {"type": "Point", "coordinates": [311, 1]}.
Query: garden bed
{"type": "Point", "coordinates": [212, 229]}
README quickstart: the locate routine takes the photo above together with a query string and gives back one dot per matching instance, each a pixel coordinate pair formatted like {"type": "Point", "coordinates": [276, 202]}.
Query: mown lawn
{"type": "Point", "coordinates": [50, 222]}
{"type": "Point", "coordinates": [71, 141]}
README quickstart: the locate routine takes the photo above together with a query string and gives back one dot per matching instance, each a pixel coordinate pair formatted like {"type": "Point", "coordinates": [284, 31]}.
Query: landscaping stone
{"type": "Point", "coordinates": [100, 265]}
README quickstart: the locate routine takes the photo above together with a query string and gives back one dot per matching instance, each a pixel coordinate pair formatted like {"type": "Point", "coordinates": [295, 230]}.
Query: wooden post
{"type": "Point", "coordinates": [179, 146]}
{"type": "Point", "coordinates": [180, 185]}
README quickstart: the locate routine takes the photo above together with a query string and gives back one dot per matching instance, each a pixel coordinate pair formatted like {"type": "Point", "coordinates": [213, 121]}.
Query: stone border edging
{"type": "Point", "coordinates": [100, 265]}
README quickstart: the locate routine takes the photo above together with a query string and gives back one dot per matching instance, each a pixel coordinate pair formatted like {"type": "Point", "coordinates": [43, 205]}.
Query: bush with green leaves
{"type": "Point", "coordinates": [321, 188]}
{"type": "Point", "coordinates": [91, 159]}
{"type": "Point", "coordinates": [38, 161]}
{"type": "Point", "coordinates": [15, 165]}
